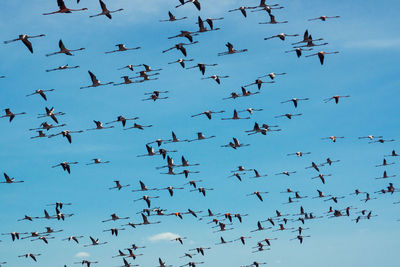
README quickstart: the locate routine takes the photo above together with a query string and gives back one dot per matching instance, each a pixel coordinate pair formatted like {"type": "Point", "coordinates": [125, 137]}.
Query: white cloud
{"type": "Point", "coordinates": [163, 237]}
{"type": "Point", "coordinates": [374, 44]}
{"type": "Point", "coordinates": [82, 255]}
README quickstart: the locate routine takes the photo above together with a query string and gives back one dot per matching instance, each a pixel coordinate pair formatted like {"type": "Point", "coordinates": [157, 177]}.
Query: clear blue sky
{"type": "Point", "coordinates": [366, 68]}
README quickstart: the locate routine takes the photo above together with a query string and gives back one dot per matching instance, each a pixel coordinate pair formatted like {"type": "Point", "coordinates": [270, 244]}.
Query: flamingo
{"type": "Point", "coordinates": [298, 51]}
{"type": "Point", "coordinates": [202, 67]}
{"type": "Point", "coordinates": [231, 50]}
{"type": "Point", "coordinates": [202, 28]}
{"type": "Point", "coordinates": [181, 61]}
{"type": "Point", "coordinates": [10, 114]}
{"type": "Point", "coordinates": [138, 126]}
{"type": "Point", "coordinates": [200, 137]}
{"type": "Point", "coordinates": [66, 134]}
{"type": "Point", "coordinates": [146, 199]}
{"type": "Point", "coordinates": [99, 126]}
{"type": "Point", "coordinates": [258, 82]}
{"type": "Point", "coordinates": [244, 93]}
{"type": "Point", "coordinates": [321, 55]}
{"type": "Point", "coordinates": [186, 34]}
{"type": "Point", "coordinates": [235, 144]}
{"type": "Point", "coordinates": [208, 113]}
{"type": "Point", "coordinates": [30, 255]}
{"type": "Point", "coordinates": [95, 81]}
{"type": "Point", "coordinates": [73, 238]}
{"type": "Point", "coordinates": [289, 115]}
{"type": "Point", "coordinates": [202, 190]}
{"type": "Point", "coordinates": [97, 161]}
{"type": "Point", "coordinates": [258, 194]}
{"type": "Point", "coordinates": [40, 134]}
{"type": "Point", "coordinates": [236, 117]}
{"type": "Point", "coordinates": [63, 8]}
{"type": "Point", "coordinates": [118, 185]}
{"type": "Point", "coordinates": [105, 11]}
{"type": "Point", "coordinates": [242, 9]}
{"type": "Point", "coordinates": [24, 38]}
{"type": "Point", "coordinates": [385, 176]}
{"type": "Point", "coordinates": [50, 113]}
{"type": "Point", "coordinates": [273, 21]}
{"type": "Point", "coordinates": [65, 166]}
{"type": "Point", "coordinates": [180, 47]}
{"type": "Point", "coordinates": [385, 163]}
{"type": "Point", "coordinates": [216, 78]}
{"type": "Point", "coordinates": [333, 138]}
{"type": "Point", "coordinates": [223, 241]}
{"type": "Point", "coordinates": [295, 101]}
{"type": "Point", "coordinates": [336, 98]}
{"type": "Point", "coordinates": [47, 127]}
{"type": "Point", "coordinates": [64, 50]}
{"type": "Point", "coordinates": [155, 95]}
{"type": "Point", "coordinates": [299, 153]}
{"type": "Point", "coordinates": [41, 93]}
{"type": "Point", "coordinates": [323, 18]}
{"type": "Point", "coordinates": [122, 48]}
{"type": "Point", "coordinates": [210, 22]}
{"type": "Point", "coordinates": [143, 188]}
{"type": "Point", "coordinates": [63, 67]}
{"type": "Point", "coordinates": [196, 3]}
{"type": "Point", "coordinates": [281, 36]}
{"type": "Point", "coordinates": [172, 18]}
{"type": "Point", "coordinates": [95, 242]}
{"type": "Point", "coordinates": [265, 7]}
{"type": "Point", "coordinates": [123, 120]}
{"type": "Point", "coordinates": [258, 175]}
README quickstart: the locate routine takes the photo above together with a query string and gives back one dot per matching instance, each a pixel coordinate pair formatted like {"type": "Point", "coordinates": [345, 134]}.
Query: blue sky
{"type": "Point", "coordinates": [367, 37]}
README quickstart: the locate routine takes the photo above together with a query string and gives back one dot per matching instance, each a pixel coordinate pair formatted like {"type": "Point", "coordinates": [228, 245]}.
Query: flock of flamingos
{"type": "Point", "coordinates": [221, 221]}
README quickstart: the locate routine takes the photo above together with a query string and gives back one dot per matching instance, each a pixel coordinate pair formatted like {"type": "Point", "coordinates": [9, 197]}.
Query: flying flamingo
{"type": "Point", "coordinates": [25, 40]}
{"type": "Point", "coordinates": [181, 61]}
{"type": "Point", "coordinates": [295, 101]}
{"type": "Point", "coordinates": [172, 18]}
{"type": "Point", "coordinates": [281, 36]}
{"type": "Point", "coordinates": [321, 55]}
{"type": "Point", "coordinates": [9, 180]}
{"type": "Point", "coordinates": [196, 3]}
{"type": "Point", "coordinates": [208, 113]}
{"type": "Point", "coordinates": [65, 166]}
{"type": "Point", "coordinates": [298, 51]}
{"type": "Point", "coordinates": [64, 50]}
{"type": "Point", "coordinates": [333, 138]}
{"type": "Point", "coordinates": [258, 82]}
{"type": "Point", "coordinates": [63, 67]}
{"type": "Point", "coordinates": [11, 115]}
{"type": "Point", "coordinates": [41, 93]}
{"type": "Point", "coordinates": [202, 67]}
{"type": "Point", "coordinates": [231, 50]}
{"type": "Point", "coordinates": [336, 98]}
{"type": "Point", "coordinates": [105, 11]}
{"type": "Point", "coordinates": [323, 18]}
{"type": "Point", "coordinates": [273, 21]}
{"type": "Point", "coordinates": [123, 120]}
{"type": "Point", "coordinates": [216, 78]}
{"type": "Point", "coordinates": [235, 117]}
{"type": "Point", "coordinates": [180, 47]}
{"type": "Point", "coordinates": [95, 81]}
{"type": "Point", "coordinates": [122, 48]}
{"type": "Point", "coordinates": [99, 126]}
{"type": "Point", "coordinates": [63, 8]}
{"type": "Point", "coordinates": [242, 9]}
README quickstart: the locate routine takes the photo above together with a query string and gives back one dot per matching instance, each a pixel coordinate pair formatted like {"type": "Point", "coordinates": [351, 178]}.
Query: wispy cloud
{"type": "Point", "coordinates": [163, 237]}
{"type": "Point", "coordinates": [82, 255]}
{"type": "Point", "coordinates": [374, 44]}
